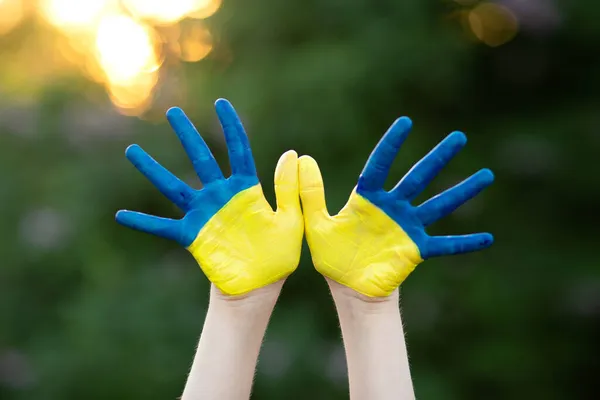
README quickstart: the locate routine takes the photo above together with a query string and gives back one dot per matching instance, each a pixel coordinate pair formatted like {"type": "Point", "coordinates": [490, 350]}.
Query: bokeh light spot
{"type": "Point", "coordinates": [125, 48]}
{"type": "Point", "coordinates": [493, 24]}
{"type": "Point", "coordinates": [120, 44]}
{"type": "Point", "coordinates": [195, 43]}
{"type": "Point", "coordinates": [135, 97]}
{"type": "Point", "coordinates": [126, 53]}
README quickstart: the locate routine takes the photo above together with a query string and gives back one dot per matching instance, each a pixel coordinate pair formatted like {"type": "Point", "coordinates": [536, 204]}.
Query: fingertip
{"type": "Point", "coordinates": [458, 138]}
{"type": "Point", "coordinates": [309, 173]}
{"type": "Point", "coordinates": [312, 191]}
{"type": "Point", "coordinates": [174, 112]}
{"type": "Point", "coordinates": [306, 160]}
{"type": "Point", "coordinates": [288, 161]}
{"type": "Point", "coordinates": [287, 167]}
{"type": "Point", "coordinates": [487, 239]}
{"type": "Point", "coordinates": [306, 164]}
{"type": "Point", "coordinates": [225, 111]}
{"type": "Point", "coordinates": [132, 150]}
{"type": "Point", "coordinates": [290, 154]}
{"type": "Point", "coordinates": [396, 135]}
{"type": "Point", "coordinates": [287, 182]}
{"type": "Point", "coordinates": [487, 175]}
{"type": "Point", "coordinates": [120, 216]}
{"type": "Point", "coordinates": [221, 103]}
{"type": "Point", "coordinates": [404, 123]}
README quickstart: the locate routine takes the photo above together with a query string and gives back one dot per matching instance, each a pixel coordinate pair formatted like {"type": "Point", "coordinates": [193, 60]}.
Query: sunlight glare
{"type": "Point", "coordinates": [74, 14]}
{"type": "Point", "coordinates": [125, 48]}
{"type": "Point", "coordinates": [120, 44]}
{"type": "Point", "coordinates": [205, 8]}
{"type": "Point", "coordinates": [135, 97]}
{"type": "Point", "coordinates": [161, 11]}
{"type": "Point", "coordinates": [11, 13]}
{"type": "Point", "coordinates": [126, 52]}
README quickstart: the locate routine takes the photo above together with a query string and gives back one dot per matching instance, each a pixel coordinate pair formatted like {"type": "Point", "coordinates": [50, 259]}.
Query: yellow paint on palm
{"type": "Point", "coordinates": [246, 245]}
{"type": "Point", "coordinates": [361, 247]}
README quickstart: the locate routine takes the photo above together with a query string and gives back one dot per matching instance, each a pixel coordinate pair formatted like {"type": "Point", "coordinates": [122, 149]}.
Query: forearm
{"type": "Point", "coordinates": [224, 365]}
{"type": "Point", "coordinates": [376, 354]}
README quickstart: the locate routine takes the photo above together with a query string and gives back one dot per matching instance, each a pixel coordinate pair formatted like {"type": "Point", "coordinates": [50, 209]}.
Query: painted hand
{"type": "Point", "coordinates": [379, 237]}
{"type": "Point", "coordinates": [229, 227]}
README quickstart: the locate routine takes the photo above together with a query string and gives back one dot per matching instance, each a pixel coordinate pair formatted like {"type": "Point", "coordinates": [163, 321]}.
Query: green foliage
{"type": "Point", "coordinates": [91, 310]}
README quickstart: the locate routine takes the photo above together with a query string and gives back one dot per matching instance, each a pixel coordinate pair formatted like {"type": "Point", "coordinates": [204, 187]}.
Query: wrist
{"type": "Point", "coordinates": [346, 297]}
{"type": "Point", "coordinates": [254, 301]}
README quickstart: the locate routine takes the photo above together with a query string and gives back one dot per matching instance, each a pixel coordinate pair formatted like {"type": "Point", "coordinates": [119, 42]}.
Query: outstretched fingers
{"type": "Point", "coordinates": [163, 227]}
{"type": "Point", "coordinates": [238, 145]}
{"type": "Point", "coordinates": [378, 165]}
{"type": "Point", "coordinates": [448, 201]}
{"type": "Point", "coordinates": [167, 183]}
{"type": "Point", "coordinates": [449, 245]}
{"type": "Point", "coordinates": [204, 162]}
{"type": "Point", "coordinates": [425, 170]}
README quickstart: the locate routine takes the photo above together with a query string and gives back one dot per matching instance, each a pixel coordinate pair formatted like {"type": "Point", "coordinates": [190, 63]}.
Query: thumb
{"type": "Point", "coordinates": [312, 192]}
{"type": "Point", "coordinates": [286, 182]}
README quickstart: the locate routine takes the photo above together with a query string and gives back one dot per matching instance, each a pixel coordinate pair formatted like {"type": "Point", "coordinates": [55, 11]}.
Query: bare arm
{"type": "Point", "coordinates": [245, 248]}
{"type": "Point", "coordinates": [375, 348]}
{"type": "Point", "coordinates": [225, 361]}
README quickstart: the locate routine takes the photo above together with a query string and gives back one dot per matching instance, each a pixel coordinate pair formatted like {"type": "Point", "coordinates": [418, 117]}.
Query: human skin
{"type": "Point", "coordinates": [373, 335]}
{"type": "Point", "coordinates": [245, 248]}
{"type": "Point", "coordinates": [373, 244]}
{"type": "Point", "coordinates": [227, 353]}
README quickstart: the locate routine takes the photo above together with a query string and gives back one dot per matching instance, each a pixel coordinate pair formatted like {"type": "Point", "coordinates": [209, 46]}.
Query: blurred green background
{"type": "Point", "coordinates": [91, 310]}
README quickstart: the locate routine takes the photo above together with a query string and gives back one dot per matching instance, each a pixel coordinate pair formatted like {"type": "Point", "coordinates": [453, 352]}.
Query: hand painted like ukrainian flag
{"type": "Point", "coordinates": [379, 237]}
{"type": "Point", "coordinates": [229, 227]}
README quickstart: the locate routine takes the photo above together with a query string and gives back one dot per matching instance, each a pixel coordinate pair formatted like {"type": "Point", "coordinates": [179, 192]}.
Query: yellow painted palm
{"type": "Point", "coordinates": [379, 237]}
{"type": "Point", "coordinates": [240, 243]}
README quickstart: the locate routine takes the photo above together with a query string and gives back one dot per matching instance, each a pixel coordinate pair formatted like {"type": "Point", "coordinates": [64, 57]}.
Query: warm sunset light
{"type": "Point", "coordinates": [205, 8]}
{"type": "Point", "coordinates": [119, 44]}
{"type": "Point", "coordinates": [74, 14]}
{"type": "Point", "coordinates": [11, 13]}
{"type": "Point", "coordinates": [195, 43]}
{"type": "Point", "coordinates": [126, 53]}
{"type": "Point", "coordinates": [134, 97]}
{"type": "Point", "coordinates": [160, 11]}
{"type": "Point", "coordinates": [125, 48]}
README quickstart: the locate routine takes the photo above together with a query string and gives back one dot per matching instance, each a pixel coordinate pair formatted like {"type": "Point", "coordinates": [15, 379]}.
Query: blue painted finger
{"type": "Point", "coordinates": [167, 183]}
{"type": "Point", "coordinates": [238, 146]}
{"type": "Point", "coordinates": [204, 162]}
{"type": "Point", "coordinates": [449, 245]}
{"type": "Point", "coordinates": [425, 170]}
{"type": "Point", "coordinates": [448, 201]}
{"type": "Point", "coordinates": [163, 227]}
{"type": "Point", "coordinates": [378, 165]}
